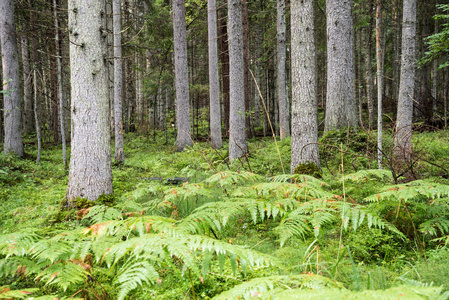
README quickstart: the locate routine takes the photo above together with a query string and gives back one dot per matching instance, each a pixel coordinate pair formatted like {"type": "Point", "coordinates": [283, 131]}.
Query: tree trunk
{"type": "Point", "coordinates": [245, 29]}
{"type": "Point", "coordinates": [224, 57]}
{"type": "Point", "coordinates": [59, 78]}
{"type": "Point", "coordinates": [237, 135]}
{"type": "Point", "coordinates": [214, 90]}
{"type": "Point", "coordinates": [380, 81]}
{"type": "Point", "coordinates": [284, 115]}
{"type": "Point", "coordinates": [118, 81]}
{"type": "Point", "coordinates": [403, 138]}
{"type": "Point", "coordinates": [304, 85]}
{"type": "Point", "coordinates": [12, 99]}
{"type": "Point", "coordinates": [37, 118]}
{"type": "Point", "coordinates": [90, 173]}
{"type": "Point", "coordinates": [181, 76]}
{"type": "Point", "coordinates": [27, 88]}
{"type": "Point", "coordinates": [368, 69]}
{"type": "Point", "coordinates": [341, 110]}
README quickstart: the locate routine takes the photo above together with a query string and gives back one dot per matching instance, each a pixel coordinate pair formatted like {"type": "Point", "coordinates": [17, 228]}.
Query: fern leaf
{"type": "Point", "coordinates": [133, 274]}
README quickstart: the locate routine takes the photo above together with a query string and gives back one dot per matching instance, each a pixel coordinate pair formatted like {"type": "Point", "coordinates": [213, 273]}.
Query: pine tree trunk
{"type": "Point", "coordinates": [245, 28]}
{"type": "Point", "coordinates": [284, 115]}
{"type": "Point", "coordinates": [214, 90]}
{"type": "Point", "coordinates": [181, 76]}
{"type": "Point", "coordinates": [237, 134]}
{"type": "Point", "coordinates": [403, 138]}
{"type": "Point", "coordinates": [27, 87]}
{"type": "Point", "coordinates": [90, 173]}
{"type": "Point", "coordinates": [304, 85]}
{"type": "Point", "coordinates": [118, 81]}
{"type": "Point", "coordinates": [380, 81]}
{"type": "Point", "coordinates": [224, 58]}
{"type": "Point", "coordinates": [341, 110]}
{"type": "Point", "coordinates": [12, 100]}
{"type": "Point", "coordinates": [37, 118]}
{"type": "Point", "coordinates": [59, 78]}
{"type": "Point", "coordinates": [368, 70]}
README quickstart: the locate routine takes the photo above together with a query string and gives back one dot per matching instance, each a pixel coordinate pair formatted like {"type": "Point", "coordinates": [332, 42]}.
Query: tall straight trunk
{"type": "Point", "coordinates": [181, 76]}
{"type": "Point", "coordinates": [304, 85]}
{"type": "Point", "coordinates": [403, 137]}
{"type": "Point", "coordinates": [118, 81]}
{"type": "Point", "coordinates": [224, 58]}
{"type": "Point", "coordinates": [380, 81]}
{"type": "Point", "coordinates": [341, 110]}
{"type": "Point", "coordinates": [37, 117]}
{"type": "Point", "coordinates": [110, 76]}
{"type": "Point", "coordinates": [214, 90]}
{"type": "Point", "coordinates": [396, 49]}
{"type": "Point", "coordinates": [358, 72]}
{"type": "Point", "coordinates": [90, 174]}
{"type": "Point", "coordinates": [257, 85]}
{"type": "Point", "coordinates": [245, 29]}
{"type": "Point", "coordinates": [59, 78]}
{"type": "Point", "coordinates": [12, 100]}
{"type": "Point", "coordinates": [284, 114]}
{"type": "Point", "coordinates": [434, 75]}
{"type": "Point", "coordinates": [368, 70]}
{"type": "Point", "coordinates": [237, 134]}
{"type": "Point", "coordinates": [27, 87]}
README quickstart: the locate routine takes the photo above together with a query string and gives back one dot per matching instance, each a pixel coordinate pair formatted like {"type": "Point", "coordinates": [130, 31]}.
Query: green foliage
{"type": "Point", "coordinates": [438, 43]}
{"type": "Point", "coordinates": [199, 238]}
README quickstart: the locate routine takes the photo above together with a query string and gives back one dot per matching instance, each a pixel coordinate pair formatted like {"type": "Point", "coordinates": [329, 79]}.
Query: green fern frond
{"type": "Point", "coordinates": [299, 178]}
{"type": "Point", "coordinates": [304, 190]}
{"type": "Point", "coordinates": [229, 178]}
{"type": "Point", "coordinates": [134, 273]}
{"type": "Point", "coordinates": [17, 243]}
{"type": "Point", "coordinates": [401, 292]}
{"type": "Point", "coordinates": [367, 175]}
{"type": "Point", "coordinates": [418, 189]}
{"type": "Point", "coordinates": [435, 227]}
{"type": "Point", "coordinates": [6, 293]}
{"type": "Point", "coordinates": [64, 274]}
{"type": "Point", "coordinates": [262, 287]}
{"type": "Point", "coordinates": [101, 213]}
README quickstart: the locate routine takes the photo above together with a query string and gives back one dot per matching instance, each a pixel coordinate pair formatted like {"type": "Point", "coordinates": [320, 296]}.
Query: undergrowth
{"type": "Point", "coordinates": [188, 225]}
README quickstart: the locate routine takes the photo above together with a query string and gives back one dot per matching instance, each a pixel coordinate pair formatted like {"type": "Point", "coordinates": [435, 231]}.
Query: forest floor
{"type": "Point", "coordinates": [243, 231]}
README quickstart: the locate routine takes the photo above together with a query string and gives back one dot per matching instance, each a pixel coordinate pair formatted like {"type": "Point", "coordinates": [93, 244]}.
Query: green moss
{"type": "Point", "coordinates": [308, 168]}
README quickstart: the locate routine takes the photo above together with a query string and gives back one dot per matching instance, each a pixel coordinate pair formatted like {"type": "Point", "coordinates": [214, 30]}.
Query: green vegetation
{"type": "Point", "coordinates": [241, 231]}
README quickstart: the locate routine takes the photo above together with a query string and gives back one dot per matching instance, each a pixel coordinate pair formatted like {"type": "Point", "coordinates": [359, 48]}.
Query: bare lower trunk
{"type": "Point", "coordinates": [284, 115]}
{"type": "Point", "coordinates": [118, 82]}
{"type": "Point", "coordinates": [37, 118]}
{"type": "Point", "coordinates": [12, 99]}
{"type": "Point", "coordinates": [341, 108]}
{"type": "Point", "coordinates": [183, 138]}
{"type": "Point", "coordinates": [59, 78]}
{"type": "Point", "coordinates": [380, 81]}
{"type": "Point", "coordinates": [90, 173]}
{"type": "Point", "coordinates": [304, 85]}
{"type": "Point", "coordinates": [237, 135]}
{"type": "Point", "coordinates": [27, 88]}
{"type": "Point", "coordinates": [403, 138]}
{"type": "Point", "coordinates": [214, 90]}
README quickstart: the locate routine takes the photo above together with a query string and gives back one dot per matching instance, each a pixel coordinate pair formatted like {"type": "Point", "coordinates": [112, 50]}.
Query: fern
{"type": "Point", "coordinates": [367, 175]}
{"type": "Point", "coordinates": [133, 274]}
{"type": "Point", "coordinates": [7, 293]}
{"type": "Point", "coordinates": [229, 178]}
{"type": "Point", "coordinates": [416, 190]}
{"type": "Point", "coordinates": [260, 287]}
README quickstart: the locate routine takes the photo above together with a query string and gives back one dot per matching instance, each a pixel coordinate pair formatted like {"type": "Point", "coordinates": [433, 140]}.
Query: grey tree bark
{"type": "Point", "coordinates": [181, 76]}
{"type": "Point", "coordinates": [90, 174]}
{"type": "Point", "coordinates": [237, 135]}
{"type": "Point", "coordinates": [118, 81]}
{"type": "Point", "coordinates": [403, 137]}
{"type": "Point", "coordinates": [37, 118]}
{"type": "Point", "coordinates": [341, 110]}
{"type": "Point", "coordinates": [12, 100]}
{"type": "Point", "coordinates": [59, 78]}
{"type": "Point", "coordinates": [369, 78]}
{"type": "Point", "coordinates": [284, 115]}
{"type": "Point", "coordinates": [214, 86]}
{"type": "Point", "coordinates": [27, 87]}
{"type": "Point", "coordinates": [304, 84]}
{"type": "Point", "coordinates": [380, 81]}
